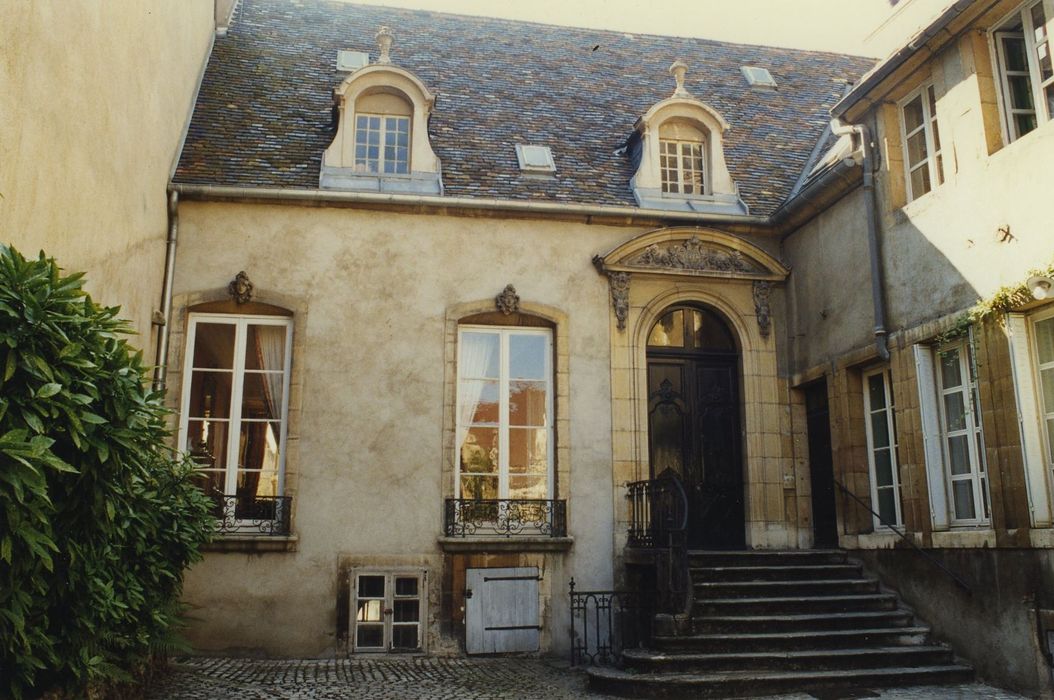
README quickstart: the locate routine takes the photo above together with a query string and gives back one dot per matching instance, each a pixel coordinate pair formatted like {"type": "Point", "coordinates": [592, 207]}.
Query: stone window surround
{"type": "Point", "coordinates": [185, 304]}
{"type": "Point", "coordinates": [561, 396]}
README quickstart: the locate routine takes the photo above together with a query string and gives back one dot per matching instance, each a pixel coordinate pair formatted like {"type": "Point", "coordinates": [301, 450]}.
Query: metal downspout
{"type": "Point", "coordinates": [874, 251]}
{"type": "Point", "coordinates": [165, 320]}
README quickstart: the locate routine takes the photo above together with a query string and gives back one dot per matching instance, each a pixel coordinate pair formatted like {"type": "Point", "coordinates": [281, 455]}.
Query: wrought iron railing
{"type": "Point", "coordinates": [925, 555]}
{"type": "Point", "coordinates": [658, 507]}
{"type": "Point", "coordinates": [505, 517]}
{"type": "Point", "coordinates": [251, 515]}
{"type": "Point", "coordinates": [605, 623]}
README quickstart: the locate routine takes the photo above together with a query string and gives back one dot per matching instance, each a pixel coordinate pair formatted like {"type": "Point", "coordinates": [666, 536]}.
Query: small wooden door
{"type": "Point", "coordinates": [501, 610]}
{"type": "Point", "coordinates": [694, 421]}
{"type": "Point", "coordinates": [821, 465]}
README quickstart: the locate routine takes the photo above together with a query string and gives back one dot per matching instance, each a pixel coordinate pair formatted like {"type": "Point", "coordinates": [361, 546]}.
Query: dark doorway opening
{"type": "Point", "coordinates": [694, 424]}
{"type": "Point", "coordinates": [821, 465]}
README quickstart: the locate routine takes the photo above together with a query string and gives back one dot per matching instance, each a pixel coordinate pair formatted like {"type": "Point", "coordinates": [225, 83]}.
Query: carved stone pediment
{"type": "Point", "coordinates": [693, 254]}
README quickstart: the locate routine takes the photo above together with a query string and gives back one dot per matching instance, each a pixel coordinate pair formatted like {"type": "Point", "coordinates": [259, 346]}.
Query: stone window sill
{"type": "Point", "coordinates": [505, 544]}
{"type": "Point", "coordinates": [253, 544]}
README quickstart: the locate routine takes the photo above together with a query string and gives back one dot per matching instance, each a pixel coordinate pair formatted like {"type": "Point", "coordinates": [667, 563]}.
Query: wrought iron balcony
{"type": "Point", "coordinates": [505, 517]}
{"type": "Point", "coordinates": [250, 516]}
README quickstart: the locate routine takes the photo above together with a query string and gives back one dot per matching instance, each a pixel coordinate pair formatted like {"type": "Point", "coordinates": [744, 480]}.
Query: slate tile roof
{"type": "Point", "coordinates": [264, 113]}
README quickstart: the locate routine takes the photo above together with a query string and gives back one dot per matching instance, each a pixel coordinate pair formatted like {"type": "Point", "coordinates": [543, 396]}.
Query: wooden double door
{"type": "Point", "coordinates": [695, 430]}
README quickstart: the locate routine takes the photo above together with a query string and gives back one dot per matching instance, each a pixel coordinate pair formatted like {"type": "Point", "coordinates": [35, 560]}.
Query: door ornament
{"type": "Point", "coordinates": [762, 289]}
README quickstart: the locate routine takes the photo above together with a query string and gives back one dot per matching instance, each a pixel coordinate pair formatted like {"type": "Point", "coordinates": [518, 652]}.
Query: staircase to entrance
{"type": "Point", "coordinates": [764, 622]}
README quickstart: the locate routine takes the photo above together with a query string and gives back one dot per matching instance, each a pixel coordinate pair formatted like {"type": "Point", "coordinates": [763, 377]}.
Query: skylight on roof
{"type": "Point", "coordinates": [758, 77]}
{"type": "Point", "coordinates": [538, 159]}
{"type": "Point", "coordinates": [351, 60]}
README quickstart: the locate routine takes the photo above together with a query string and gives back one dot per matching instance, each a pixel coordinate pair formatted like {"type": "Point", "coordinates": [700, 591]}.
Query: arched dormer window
{"type": "Point", "coordinates": [679, 153]}
{"type": "Point", "coordinates": [381, 143]}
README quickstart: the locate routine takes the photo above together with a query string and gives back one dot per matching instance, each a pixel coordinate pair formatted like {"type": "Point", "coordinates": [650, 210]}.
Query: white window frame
{"type": "Point", "coordinates": [978, 474]}
{"type": "Point", "coordinates": [893, 446]}
{"type": "Point", "coordinates": [681, 172]}
{"type": "Point", "coordinates": [383, 144]}
{"type": "Point", "coordinates": [1046, 440]}
{"type": "Point", "coordinates": [388, 609]}
{"type": "Point", "coordinates": [504, 332]}
{"type": "Point", "coordinates": [1023, 13]}
{"type": "Point", "coordinates": [933, 161]}
{"type": "Point", "coordinates": [241, 323]}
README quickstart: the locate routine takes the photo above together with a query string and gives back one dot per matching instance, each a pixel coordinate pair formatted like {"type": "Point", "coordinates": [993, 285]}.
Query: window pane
{"type": "Point", "coordinates": [879, 430]}
{"type": "Point", "coordinates": [917, 148]}
{"type": "Point", "coordinates": [369, 636]}
{"type": "Point", "coordinates": [214, 345]}
{"type": "Point", "coordinates": [1014, 50]}
{"type": "Point", "coordinates": [528, 487]}
{"type": "Point", "coordinates": [913, 116]}
{"type": "Point", "coordinates": [406, 586]}
{"type": "Point", "coordinates": [527, 356]}
{"type": "Point", "coordinates": [1050, 438]}
{"type": "Point", "coordinates": [876, 392]}
{"type": "Point", "coordinates": [1020, 92]}
{"type": "Point", "coordinates": [265, 347]}
{"type": "Point", "coordinates": [959, 454]}
{"type": "Point", "coordinates": [479, 355]}
{"type": "Point", "coordinates": [406, 611]}
{"type": "Point", "coordinates": [479, 451]}
{"type": "Point", "coordinates": [528, 450]}
{"type": "Point", "coordinates": [212, 482]}
{"type": "Point", "coordinates": [1047, 379]}
{"type": "Point", "coordinates": [962, 492]}
{"type": "Point", "coordinates": [210, 395]}
{"type": "Point", "coordinates": [259, 445]}
{"type": "Point", "coordinates": [886, 506]}
{"type": "Point", "coordinates": [482, 394]}
{"type": "Point", "coordinates": [527, 403]}
{"type": "Point", "coordinates": [479, 487]}
{"type": "Point", "coordinates": [404, 637]}
{"type": "Point", "coordinates": [262, 395]}
{"type": "Point", "coordinates": [883, 468]}
{"type": "Point", "coordinates": [669, 331]}
{"type": "Point", "coordinates": [954, 412]}
{"type": "Point", "coordinates": [710, 333]}
{"type": "Point", "coordinates": [207, 443]}
{"type": "Point", "coordinates": [951, 375]}
{"type": "Point", "coordinates": [1045, 340]}
{"type": "Point", "coordinates": [920, 181]}
{"type": "Point", "coordinates": [371, 587]}
{"type": "Point", "coordinates": [1024, 123]}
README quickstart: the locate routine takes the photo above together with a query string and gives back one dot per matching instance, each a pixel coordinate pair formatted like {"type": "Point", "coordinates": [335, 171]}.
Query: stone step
{"type": "Point", "coordinates": [795, 605]}
{"type": "Point", "coordinates": [754, 683]}
{"type": "Point", "coordinates": [767, 557]}
{"type": "Point", "coordinates": [736, 621]}
{"type": "Point", "coordinates": [647, 661]}
{"type": "Point", "coordinates": [776, 573]}
{"type": "Point", "coordinates": [762, 589]}
{"type": "Point", "coordinates": [784, 641]}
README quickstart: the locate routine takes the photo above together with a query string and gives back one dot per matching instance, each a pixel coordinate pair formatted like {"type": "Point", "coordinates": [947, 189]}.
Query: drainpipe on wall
{"type": "Point", "coordinates": [877, 272]}
{"type": "Point", "coordinates": [164, 318]}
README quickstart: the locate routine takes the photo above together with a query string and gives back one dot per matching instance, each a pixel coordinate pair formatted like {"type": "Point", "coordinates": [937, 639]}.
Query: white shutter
{"type": "Point", "coordinates": [1028, 421]}
{"type": "Point", "coordinates": [925, 376]}
{"type": "Point", "coordinates": [501, 614]}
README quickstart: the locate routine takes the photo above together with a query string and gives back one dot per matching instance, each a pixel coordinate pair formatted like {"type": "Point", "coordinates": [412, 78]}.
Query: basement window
{"type": "Point", "coordinates": [535, 159]}
{"type": "Point", "coordinates": [758, 77]}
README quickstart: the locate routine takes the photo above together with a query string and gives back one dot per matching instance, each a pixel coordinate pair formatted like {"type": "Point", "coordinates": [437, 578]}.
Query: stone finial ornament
{"type": "Point", "coordinates": [384, 44]}
{"type": "Point", "coordinates": [508, 302]}
{"type": "Point", "coordinates": [241, 288]}
{"type": "Point", "coordinates": [619, 284]}
{"type": "Point", "coordinates": [678, 69]}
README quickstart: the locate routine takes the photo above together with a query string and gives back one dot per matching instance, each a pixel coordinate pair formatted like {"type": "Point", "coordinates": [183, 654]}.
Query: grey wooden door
{"type": "Point", "coordinates": [501, 610]}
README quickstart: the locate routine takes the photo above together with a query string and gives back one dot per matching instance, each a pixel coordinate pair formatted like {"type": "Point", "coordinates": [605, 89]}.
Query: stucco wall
{"type": "Point", "coordinates": [371, 291]}
{"type": "Point", "coordinates": [94, 99]}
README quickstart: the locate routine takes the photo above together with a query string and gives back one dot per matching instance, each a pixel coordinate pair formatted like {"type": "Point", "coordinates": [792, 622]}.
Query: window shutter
{"type": "Point", "coordinates": [1028, 421]}
{"type": "Point", "coordinates": [931, 435]}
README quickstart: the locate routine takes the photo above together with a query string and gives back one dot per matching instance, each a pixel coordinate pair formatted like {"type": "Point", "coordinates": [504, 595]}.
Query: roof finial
{"type": "Point", "coordinates": [677, 69]}
{"type": "Point", "coordinates": [384, 43]}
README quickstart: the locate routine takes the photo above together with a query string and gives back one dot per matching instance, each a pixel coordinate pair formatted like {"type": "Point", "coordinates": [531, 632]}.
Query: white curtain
{"type": "Point", "coordinates": [270, 352]}
{"type": "Point", "coordinates": [477, 351]}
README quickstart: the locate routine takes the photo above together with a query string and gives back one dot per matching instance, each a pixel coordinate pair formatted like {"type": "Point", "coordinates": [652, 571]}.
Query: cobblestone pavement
{"type": "Point", "coordinates": [428, 678]}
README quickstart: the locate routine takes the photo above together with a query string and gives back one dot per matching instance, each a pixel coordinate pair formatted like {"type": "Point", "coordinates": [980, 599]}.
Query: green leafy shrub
{"type": "Point", "coordinates": [98, 519]}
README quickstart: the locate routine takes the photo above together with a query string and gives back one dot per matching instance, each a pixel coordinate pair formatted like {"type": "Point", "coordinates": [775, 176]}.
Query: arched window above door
{"type": "Point", "coordinates": [691, 328]}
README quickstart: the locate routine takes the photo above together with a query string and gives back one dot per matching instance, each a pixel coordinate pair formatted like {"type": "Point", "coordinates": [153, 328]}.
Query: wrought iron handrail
{"type": "Point", "coordinates": [926, 555]}
{"type": "Point", "coordinates": [659, 520]}
{"type": "Point", "coordinates": [604, 623]}
{"type": "Point", "coordinates": [251, 515]}
{"type": "Point", "coordinates": [505, 517]}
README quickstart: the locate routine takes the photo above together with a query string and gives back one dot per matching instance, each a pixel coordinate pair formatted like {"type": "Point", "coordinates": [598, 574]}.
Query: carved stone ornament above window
{"type": "Point", "coordinates": [508, 302]}
{"type": "Point", "coordinates": [695, 255]}
{"type": "Point", "coordinates": [241, 288]}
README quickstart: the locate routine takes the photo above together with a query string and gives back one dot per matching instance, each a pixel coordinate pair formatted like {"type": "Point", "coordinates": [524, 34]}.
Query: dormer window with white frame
{"type": "Point", "coordinates": [1025, 72]}
{"type": "Point", "coordinates": [381, 143]}
{"type": "Point", "coordinates": [679, 154]}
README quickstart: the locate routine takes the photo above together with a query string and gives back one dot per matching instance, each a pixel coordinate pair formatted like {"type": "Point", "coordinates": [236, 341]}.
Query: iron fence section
{"type": "Point", "coordinates": [505, 517]}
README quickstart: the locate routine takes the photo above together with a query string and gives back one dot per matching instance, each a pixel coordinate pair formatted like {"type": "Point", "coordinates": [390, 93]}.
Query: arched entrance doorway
{"type": "Point", "coordinates": [694, 420]}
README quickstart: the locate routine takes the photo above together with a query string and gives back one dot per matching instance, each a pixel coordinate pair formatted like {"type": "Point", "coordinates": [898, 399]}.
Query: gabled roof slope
{"type": "Point", "coordinates": [264, 113]}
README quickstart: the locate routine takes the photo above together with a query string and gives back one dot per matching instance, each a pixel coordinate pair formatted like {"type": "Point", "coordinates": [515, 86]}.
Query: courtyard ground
{"type": "Point", "coordinates": [435, 678]}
